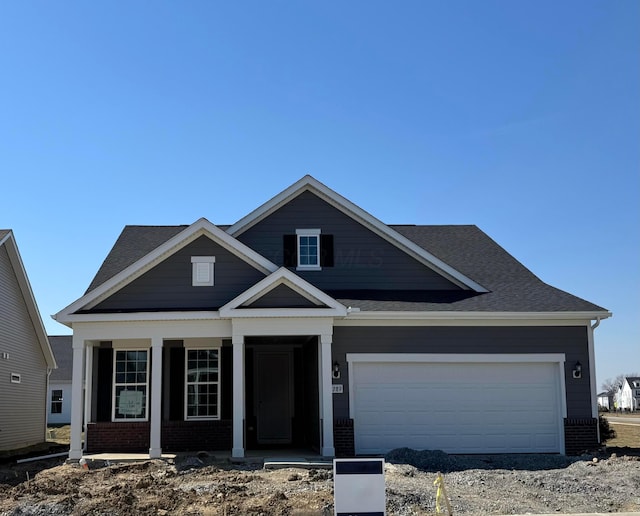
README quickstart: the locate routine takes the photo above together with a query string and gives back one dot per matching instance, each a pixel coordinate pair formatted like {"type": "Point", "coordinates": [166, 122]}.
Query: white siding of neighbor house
{"type": "Point", "coordinates": [22, 405]}
{"type": "Point", "coordinates": [64, 417]}
{"type": "Point", "coordinates": [626, 397]}
{"type": "Point", "coordinates": [603, 401]}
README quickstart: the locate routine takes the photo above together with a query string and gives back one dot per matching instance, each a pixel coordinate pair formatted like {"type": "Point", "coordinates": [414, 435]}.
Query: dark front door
{"type": "Point", "coordinates": [273, 396]}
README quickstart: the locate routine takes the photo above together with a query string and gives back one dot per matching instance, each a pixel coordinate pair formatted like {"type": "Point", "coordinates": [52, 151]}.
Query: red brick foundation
{"type": "Point", "coordinates": [118, 437]}
{"type": "Point", "coordinates": [175, 436]}
{"type": "Point", "coordinates": [197, 435]}
{"type": "Point", "coordinates": [343, 438]}
{"type": "Point", "coordinates": [580, 435]}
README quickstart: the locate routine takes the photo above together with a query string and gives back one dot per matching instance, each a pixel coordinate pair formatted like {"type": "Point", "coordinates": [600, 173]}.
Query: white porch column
{"type": "Point", "coordinates": [238, 396]}
{"type": "Point", "coordinates": [88, 383]}
{"type": "Point", "coordinates": [75, 448]}
{"type": "Point", "coordinates": [326, 407]}
{"type": "Point", "coordinates": [155, 449]}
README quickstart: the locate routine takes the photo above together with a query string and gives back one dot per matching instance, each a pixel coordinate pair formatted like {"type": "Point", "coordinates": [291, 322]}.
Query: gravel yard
{"type": "Point", "coordinates": [488, 484]}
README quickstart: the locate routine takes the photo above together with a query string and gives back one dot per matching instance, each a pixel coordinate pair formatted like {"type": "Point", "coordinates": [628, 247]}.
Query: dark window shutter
{"type": "Point", "coordinates": [105, 384]}
{"type": "Point", "coordinates": [289, 251]}
{"type": "Point", "coordinates": [326, 250]}
{"type": "Point", "coordinates": [226, 362]}
{"type": "Point", "coordinates": [176, 377]}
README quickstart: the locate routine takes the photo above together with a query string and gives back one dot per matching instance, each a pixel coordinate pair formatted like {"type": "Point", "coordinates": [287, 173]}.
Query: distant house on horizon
{"type": "Point", "coordinates": [606, 399]}
{"type": "Point", "coordinates": [628, 395]}
{"type": "Point", "coordinates": [59, 393]}
{"type": "Point", "coordinates": [26, 358]}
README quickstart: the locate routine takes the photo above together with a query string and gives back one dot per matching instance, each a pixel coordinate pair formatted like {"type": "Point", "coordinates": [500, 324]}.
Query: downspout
{"type": "Point", "coordinates": [47, 403]}
{"type": "Point", "coordinates": [592, 375]}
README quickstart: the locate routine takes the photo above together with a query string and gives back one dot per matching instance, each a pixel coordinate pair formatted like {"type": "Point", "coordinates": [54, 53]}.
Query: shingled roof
{"type": "Point", "coordinates": [133, 243]}
{"type": "Point", "coordinates": [512, 287]}
{"type": "Point", "coordinates": [63, 351]}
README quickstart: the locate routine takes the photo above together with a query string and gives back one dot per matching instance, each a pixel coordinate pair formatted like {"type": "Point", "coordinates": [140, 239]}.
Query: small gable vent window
{"type": "Point", "coordinates": [308, 249]}
{"type": "Point", "coordinates": [202, 270]}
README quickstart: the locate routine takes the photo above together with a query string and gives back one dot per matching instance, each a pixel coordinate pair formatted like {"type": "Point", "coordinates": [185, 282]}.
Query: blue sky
{"type": "Point", "coordinates": [522, 117]}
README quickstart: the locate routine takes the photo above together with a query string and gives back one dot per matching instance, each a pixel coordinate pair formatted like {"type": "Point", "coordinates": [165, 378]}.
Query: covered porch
{"type": "Point", "coordinates": [234, 385]}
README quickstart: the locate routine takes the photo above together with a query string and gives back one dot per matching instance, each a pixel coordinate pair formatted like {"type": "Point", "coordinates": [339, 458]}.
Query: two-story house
{"type": "Point", "coordinates": [309, 323]}
{"type": "Point", "coordinates": [628, 395]}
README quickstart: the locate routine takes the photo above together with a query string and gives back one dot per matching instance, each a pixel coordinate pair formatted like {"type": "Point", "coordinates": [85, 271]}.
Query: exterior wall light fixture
{"type": "Point", "coordinates": [577, 370]}
{"type": "Point", "coordinates": [335, 371]}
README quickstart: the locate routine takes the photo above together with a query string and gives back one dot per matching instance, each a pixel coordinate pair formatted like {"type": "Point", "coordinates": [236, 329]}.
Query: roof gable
{"type": "Point", "coordinates": [321, 304]}
{"type": "Point", "coordinates": [632, 381]}
{"type": "Point", "coordinates": [310, 184]}
{"type": "Point", "coordinates": [8, 242]}
{"type": "Point", "coordinates": [282, 296]}
{"type": "Point", "coordinates": [122, 278]}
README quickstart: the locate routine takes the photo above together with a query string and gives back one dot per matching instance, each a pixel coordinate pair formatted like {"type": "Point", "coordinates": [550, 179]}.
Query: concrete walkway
{"type": "Point", "coordinates": [618, 420]}
{"type": "Point", "coordinates": [123, 457]}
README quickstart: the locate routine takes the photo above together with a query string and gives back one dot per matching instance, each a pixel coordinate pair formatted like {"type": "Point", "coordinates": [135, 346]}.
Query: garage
{"type": "Point", "coordinates": [457, 403]}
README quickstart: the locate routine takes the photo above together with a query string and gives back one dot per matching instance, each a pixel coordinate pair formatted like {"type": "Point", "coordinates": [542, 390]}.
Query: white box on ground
{"type": "Point", "coordinates": [358, 487]}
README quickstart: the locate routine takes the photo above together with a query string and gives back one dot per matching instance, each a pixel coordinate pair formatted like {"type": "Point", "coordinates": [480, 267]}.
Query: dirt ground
{"type": "Point", "coordinates": [505, 484]}
{"type": "Point", "coordinates": [202, 484]}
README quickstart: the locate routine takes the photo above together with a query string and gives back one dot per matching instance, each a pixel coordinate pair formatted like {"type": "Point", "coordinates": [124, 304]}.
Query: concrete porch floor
{"type": "Point", "coordinates": [270, 459]}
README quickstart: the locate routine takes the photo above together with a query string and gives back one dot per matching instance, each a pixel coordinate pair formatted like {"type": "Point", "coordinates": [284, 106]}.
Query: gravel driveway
{"type": "Point", "coordinates": [517, 484]}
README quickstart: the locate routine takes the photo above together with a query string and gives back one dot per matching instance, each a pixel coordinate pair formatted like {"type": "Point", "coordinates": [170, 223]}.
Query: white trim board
{"type": "Point", "coordinates": [398, 318]}
{"type": "Point", "coordinates": [457, 357]}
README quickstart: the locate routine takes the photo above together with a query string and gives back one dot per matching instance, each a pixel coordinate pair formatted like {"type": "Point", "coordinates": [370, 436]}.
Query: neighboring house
{"type": "Point", "coordinates": [605, 400]}
{"type": "Point", "coordinates": [25, 355]}
{"type": "Point", "coordinates": [311, 324]}
{"type": "Point", "coordinates": [59, 395]}
{"type": "Point", "coordinates": [628, 395]}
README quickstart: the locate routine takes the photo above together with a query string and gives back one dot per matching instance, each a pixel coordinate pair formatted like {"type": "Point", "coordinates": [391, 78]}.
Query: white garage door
{"type": "Point", "coordinates": [456, 407]}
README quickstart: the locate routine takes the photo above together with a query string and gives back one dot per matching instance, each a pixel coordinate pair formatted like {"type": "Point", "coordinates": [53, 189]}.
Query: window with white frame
{"type": "Point", "coordinates": [202, 271]}
{"type": "Point", "coordinates": [308, 248]}
{"type": "Point", "coordinates": [202, 391]}
{"type": "Point", "coordinates": [56, 401]}
{"type": "Point", "coordinates": [131, 384]}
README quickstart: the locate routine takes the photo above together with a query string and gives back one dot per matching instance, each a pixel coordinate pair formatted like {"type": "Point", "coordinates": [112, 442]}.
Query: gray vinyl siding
{"type": "Point", "coordinates": [168, 286]}
{"type": "Point", "coordinates": [282, 297]}
{"type": "Point", "coordinates": [362, 259]}
{"type": "Point", "coordinates": [464, 340]}
{"type": "Point", "coordinates": [22, 405]}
